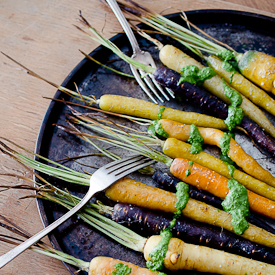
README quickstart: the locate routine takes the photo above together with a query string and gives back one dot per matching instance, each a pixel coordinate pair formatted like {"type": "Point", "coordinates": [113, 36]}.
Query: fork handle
{"type": "Point", "coordinates": [125, 25]}
{"type": "Point", "coordinates": [6, 258]}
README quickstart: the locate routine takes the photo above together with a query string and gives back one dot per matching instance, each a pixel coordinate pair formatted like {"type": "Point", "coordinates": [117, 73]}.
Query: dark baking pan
{"type": "Point", "coordinates": [241, 30]}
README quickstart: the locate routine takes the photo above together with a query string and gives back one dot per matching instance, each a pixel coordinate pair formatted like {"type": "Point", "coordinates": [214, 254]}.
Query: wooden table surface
{"type": "Point", "coordinates": [40, 35]}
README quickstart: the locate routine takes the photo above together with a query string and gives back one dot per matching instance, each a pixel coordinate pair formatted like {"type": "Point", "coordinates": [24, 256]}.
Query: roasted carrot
{"type": "Point", "coordinates": [213, 136]}
{"type": "Point", "coordinates": [169, 182]}
{"type": "Point", "coordinates": [175, 59]}
{"type": "Point", "coordinates": [175, 148]}
{"type": "Point", "coordinates": [137, 193]}
{"type": "Point", "coordinates": [256, 66]}
{"type": "Point", "coordinates": [181, 255]}
{"type": "Point", "coordinates": [259, 68]}
{"type": "Point", "coordinates": [243, 85]}
{"type": "Point", "coordinates": [149, 223]}
{"type": "Point", "coordinates": [106, 265]}
{"type": "Point", "coordinates": [214, 183]}
{"type": "Point", "coordinates": [145, 109]}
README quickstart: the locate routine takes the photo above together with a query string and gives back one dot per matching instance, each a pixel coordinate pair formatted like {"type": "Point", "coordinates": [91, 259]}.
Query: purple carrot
{"type": "Point", "coordinates": [169, 183]}
{"type": "Point", "coordinates": [212, 105]}
{"type": "Point", "coordinates": [151, 223]}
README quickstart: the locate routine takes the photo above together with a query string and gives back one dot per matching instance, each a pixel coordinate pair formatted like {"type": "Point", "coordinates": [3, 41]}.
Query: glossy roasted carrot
{"type": "Point", "coordinates": [175, 59]}
{"type": "Point", "coordinates": [133, 192]}
{"type": "Point", "coordinates": [181, 255]}
{"type": "Point", "coordinates": [243, 85]}
{"type": "Point", "coordinates": [213, 136]}
{"type": "Point", "coordinates": [208, 180]}
{"type": "Point", "coordinates": [106, 265]}
{"type": "Point", "coordinates": [175, 148]}
{"type": "Point", "coordinates": [140, 108]}
{"type": "Point", "coordinates": [259, 68]}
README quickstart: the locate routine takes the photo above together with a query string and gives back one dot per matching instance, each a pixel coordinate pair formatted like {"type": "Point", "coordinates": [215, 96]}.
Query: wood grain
{"type": "Point", "coordinates": [40, 34]}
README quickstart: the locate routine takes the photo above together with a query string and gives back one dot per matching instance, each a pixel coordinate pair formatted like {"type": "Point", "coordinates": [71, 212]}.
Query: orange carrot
{"type": "Point", "coordinates": [105, 266]}
{"type": "Point", "coordinates": [208, 180]}
{"type": "Point", "coordinates": [212, 136]}
{"type": "Point", "coordinates": [133, 192]}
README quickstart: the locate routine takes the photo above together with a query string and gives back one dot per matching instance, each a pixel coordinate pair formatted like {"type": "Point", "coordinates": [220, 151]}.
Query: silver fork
{"type": "Point", "coordinates": [100, 180]}
{"type": "Point", "coordinates": [142, 57]}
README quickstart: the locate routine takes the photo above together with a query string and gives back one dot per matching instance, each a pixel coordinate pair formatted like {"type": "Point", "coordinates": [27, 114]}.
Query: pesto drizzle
{"type": "Point", "coordinates": [156, 127]}
{"type": "Point", "coordinates": [157, 255]}
{"type": "Point", "coordinates": [195, 139]}
{"type": "Point", "coordinates": [236, 203]}
{"type": "Point", "coordinates": [235, 113]}
{"type": "Point", "coordinates": [121, 269]}
{"type": "Point", "coordinates": [182, 198]}
{"type": "Point", "coordinates": [194, 75]}
{"type": "Point", "coordinates": [230, 63]}
{"type": "Point", "coordinates": [225, 146]}
{"type": "Point", "coordinates": [160, 112]}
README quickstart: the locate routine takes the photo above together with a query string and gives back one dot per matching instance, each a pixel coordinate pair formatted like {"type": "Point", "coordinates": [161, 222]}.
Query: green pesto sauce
{"type": "Point", "coordinates": [195, 139]}
{"type": "Point", "coordinates": [182, 195]}
{"type": "Point", "coordinates": [157, 255]}
{"type": "Point", "coordinates": [227, 159]}
{"type": "Point", "coordinates": [156, 127]}
{"type": "Point", "coordinates": [230, 164]}
{"type": "Point", "coordinates": [187, 172]}
{"type": "Point", "coordinates": [226, 55]}
{"type": "Point", "coordinates": [236, 203]}
{"type": "Point", "coordinates": [194, 75]}
{"type": "Point", "coordinates": [121, 269]}
{"type": "Point", "coordinates": [172, 224]}
{"type": "Point", "coordinates": [235, 113]}
{"type": "Point", "coordinates": [225, 144]}
{"type": "Point", "coordinates": [234, 118]}
{"type": "Point", "coordinates": [160, 112]}
{"type": "Point", "coordinates": [159, 130]}
{"type": "Point", "coordinates": [151, 129]}
{"type": "Point", "coordinates": [234, 97]}
{"type": "Point", "coordinates": [231, 134]}
{"type": "Point", "coordinates": [231, 169]}
{"type": "Point", "coordinates": [230, 62]}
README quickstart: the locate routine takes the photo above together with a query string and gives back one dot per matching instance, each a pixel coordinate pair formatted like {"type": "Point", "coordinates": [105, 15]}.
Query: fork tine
{"type": "Point", "coordinates": [124, 171]}
{"type": "Point", "coordinates": [128, 162]}
{"type": "Point", "coordinates": [170, 92]}
{"type": "Point", "coordinates": [121, 161]}
{"type": "Point", "coordinates": [150, 84]}
{"type": "Point", "coordinates": [159, 87]}
{"type": "Point", "coordinates": [141, 83]}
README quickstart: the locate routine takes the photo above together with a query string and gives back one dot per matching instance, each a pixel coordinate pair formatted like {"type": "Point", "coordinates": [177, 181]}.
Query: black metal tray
{"type": "Point", "coordinates": [241, 30]}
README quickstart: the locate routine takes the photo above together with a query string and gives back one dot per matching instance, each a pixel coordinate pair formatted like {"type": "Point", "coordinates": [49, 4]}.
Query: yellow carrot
{"type": "Point", "coordinates": [140, 108]}
{"type": "Point", "coordinates": [259, 68]}
{"type": "Point", "coordinates": [213, 136]}
{"type": "Point", "coordinates": [175, 59]}
{"type": "Point", "coordinates": [243, 85]}
{"type": "Point", "coordinates": [212, 182]}
{"type": "Point", "coordinates": [175, 148]}
{"type": "Point", "coordinates": [134, 192]}
{"type": "Point", "coordinates": [181, 255]}
{"type": "Point", "coordinates": [105, 266]}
